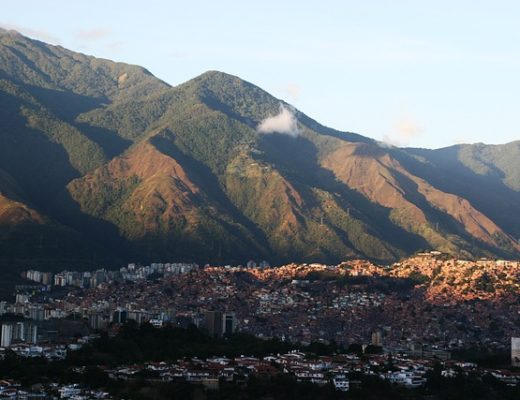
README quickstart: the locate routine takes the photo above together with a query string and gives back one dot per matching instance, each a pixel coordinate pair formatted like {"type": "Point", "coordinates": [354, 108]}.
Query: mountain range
{"type": "Point", "coordinates": [101, 162]}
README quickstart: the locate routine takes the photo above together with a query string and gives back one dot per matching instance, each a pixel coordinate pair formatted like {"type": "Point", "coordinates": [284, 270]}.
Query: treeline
{"type": "Point", "coordinates": [383, 284]}
{"type": "Point", "coordinates": [138, 343]}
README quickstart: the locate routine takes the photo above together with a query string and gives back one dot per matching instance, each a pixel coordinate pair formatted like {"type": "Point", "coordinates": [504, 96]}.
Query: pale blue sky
{"type": "Point", "coordinates": [415, 73]}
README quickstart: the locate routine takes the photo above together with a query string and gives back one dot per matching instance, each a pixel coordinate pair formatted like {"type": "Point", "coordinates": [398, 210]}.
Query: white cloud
{"type": "Point", "coordinates": [404, 132]}
{"type": "Point", "coordinates": [386, 143]}
{"type": "Point", "coordinates": [284, 122]}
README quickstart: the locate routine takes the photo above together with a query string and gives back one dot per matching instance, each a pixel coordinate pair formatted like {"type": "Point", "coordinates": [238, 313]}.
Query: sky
{"type": "Point", "coordinates": [410, 73]}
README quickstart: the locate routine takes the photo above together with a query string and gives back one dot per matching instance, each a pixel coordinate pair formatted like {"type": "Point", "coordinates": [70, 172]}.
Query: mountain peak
{"type": "Point", "coordinates": [215, 74]}
{"type": "Point", "coordinates": [183, 171]}
{"type": "Point", "coordinates": [217, 80]}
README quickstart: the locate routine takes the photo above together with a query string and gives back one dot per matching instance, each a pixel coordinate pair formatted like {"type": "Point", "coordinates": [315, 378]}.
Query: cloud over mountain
{"type": "Point", "coordinates": [284, 122]}
{"type": "Point", "coordinates": [404, 132]}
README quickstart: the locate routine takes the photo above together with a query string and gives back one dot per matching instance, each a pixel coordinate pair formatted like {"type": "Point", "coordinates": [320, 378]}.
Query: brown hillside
{"type": "Point", "coordinates": [374, 173]}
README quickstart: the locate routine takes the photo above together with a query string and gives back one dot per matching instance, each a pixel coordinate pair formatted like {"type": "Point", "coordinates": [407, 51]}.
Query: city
{"type": "Point", "coordinates": [364, 314]}
{"type": "Point", "coordinates": [222, 200]}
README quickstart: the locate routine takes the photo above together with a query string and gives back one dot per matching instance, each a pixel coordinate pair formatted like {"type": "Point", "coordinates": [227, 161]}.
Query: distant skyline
{"type": "Point", "coordinates": [410, 73]}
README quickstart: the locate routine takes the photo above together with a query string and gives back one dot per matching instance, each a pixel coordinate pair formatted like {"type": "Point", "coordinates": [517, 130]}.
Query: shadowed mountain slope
{"type": "Point", "coordinates": [140, 170]}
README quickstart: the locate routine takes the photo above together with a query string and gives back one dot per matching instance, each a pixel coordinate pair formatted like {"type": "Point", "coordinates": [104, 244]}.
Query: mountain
{"type": "Point", "coordinates": [487, 175]}
{"type": "Point", "coordinates": [101, 162]}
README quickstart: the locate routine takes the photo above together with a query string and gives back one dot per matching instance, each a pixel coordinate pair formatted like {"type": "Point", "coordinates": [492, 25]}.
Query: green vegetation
{"type": "Point", "coordinates": [212, 189]}
{"type": "Point", "coordinates": [145, 343]}
{"type": "Point", "coordinates": [500, 161]}
{"type": "Point", "coordinates": [484, 357]}
{"type": "Point", "coordinates": [84, 155]}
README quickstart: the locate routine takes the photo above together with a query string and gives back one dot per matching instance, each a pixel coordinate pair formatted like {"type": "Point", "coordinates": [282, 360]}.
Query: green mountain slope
{"type": "Point", "coordinates": [140, 170]}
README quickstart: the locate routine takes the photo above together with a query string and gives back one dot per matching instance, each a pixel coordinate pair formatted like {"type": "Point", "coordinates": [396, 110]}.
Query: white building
{"type": "Point", "coordinates": [406, 378]}
{"type": "Point", "coordinates": [7, 335]}
{"type": "Point", "coordinates": [18, 332]}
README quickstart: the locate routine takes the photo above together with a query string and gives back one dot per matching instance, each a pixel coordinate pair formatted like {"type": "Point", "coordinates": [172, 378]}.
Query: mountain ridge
{"type": "Point", "coordinates": [143, 170]}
